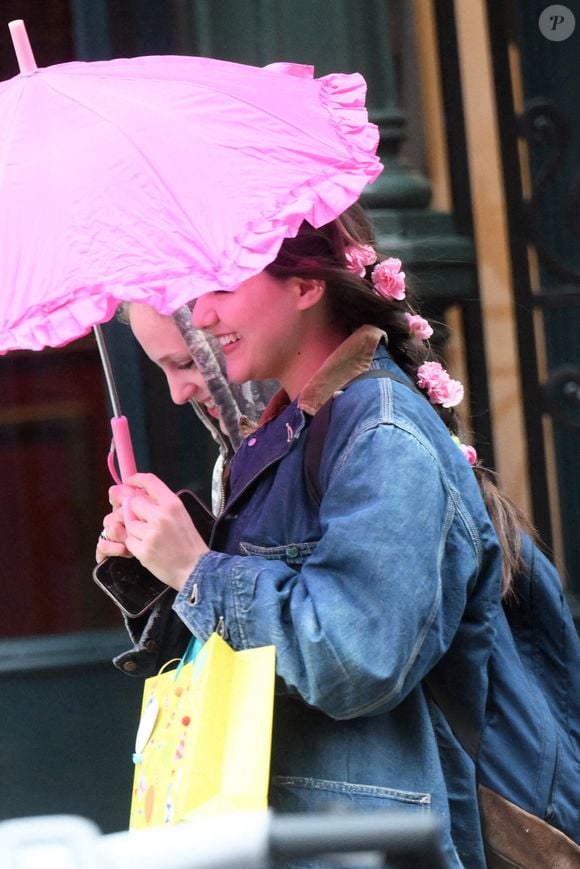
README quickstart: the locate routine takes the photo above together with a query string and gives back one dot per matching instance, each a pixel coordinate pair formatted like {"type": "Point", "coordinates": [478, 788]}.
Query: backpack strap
{"type": "Point", "coordinates": [318, 428]}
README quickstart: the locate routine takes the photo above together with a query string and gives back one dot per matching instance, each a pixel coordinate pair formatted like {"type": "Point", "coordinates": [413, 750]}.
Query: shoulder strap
{"type": "Point", "coordinates": [318, 428]}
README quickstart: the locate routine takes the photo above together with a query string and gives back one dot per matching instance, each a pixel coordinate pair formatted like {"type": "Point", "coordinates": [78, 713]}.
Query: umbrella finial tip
{"type": "Point", "coordinates": [21, 44]}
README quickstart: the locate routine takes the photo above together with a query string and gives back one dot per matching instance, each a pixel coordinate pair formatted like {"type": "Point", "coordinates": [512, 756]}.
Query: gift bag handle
{"type": "Point", "coordinates": [193, 648]}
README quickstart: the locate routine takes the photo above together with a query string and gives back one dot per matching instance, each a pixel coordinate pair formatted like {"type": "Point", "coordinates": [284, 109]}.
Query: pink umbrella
{"type": "Point", "coordinates": [157, 179]}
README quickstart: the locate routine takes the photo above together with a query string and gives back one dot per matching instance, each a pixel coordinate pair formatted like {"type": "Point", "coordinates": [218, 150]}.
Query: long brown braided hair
{"type": "Point", "coordinates": [321, 254]}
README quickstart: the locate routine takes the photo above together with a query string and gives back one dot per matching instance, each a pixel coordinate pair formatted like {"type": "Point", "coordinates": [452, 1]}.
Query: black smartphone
{"type": "Point", "coordinates": [134, 588]}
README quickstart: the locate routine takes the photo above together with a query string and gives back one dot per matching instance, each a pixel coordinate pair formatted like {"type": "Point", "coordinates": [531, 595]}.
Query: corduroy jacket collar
{"type": "Point", "coordinates": [353, 357]}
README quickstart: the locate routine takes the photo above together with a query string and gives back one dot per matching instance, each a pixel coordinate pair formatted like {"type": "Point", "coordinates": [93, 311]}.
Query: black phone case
{"type": "Point", "coordinates": [130, 585]}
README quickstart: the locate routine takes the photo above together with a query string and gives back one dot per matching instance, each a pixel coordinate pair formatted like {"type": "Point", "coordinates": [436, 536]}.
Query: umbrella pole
{"type": "Point", "coordinates": [119, 423]}
{"type": "Point", "coordinates": [106, 363]}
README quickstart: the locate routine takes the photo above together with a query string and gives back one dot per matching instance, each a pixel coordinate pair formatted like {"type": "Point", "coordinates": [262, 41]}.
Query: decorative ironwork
{"type": "Point", "coordinates": [562, 395]}
{"type": "Point", "coordinates": [544, 124]}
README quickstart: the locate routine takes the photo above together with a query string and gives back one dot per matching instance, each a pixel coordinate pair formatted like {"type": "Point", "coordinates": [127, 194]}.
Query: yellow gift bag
{"type": "Point", "coordinates": [205, 735]}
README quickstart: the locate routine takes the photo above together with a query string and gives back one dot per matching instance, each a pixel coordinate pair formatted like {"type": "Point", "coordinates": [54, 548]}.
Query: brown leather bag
{"type": "Point", "coordinates": [515, 839]}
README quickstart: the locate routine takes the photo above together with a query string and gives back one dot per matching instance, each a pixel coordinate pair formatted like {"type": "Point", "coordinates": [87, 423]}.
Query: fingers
{"type": "Point", "coordinates": [117, 494]}
{"type": "Point", "coordinates": [112, 538]}
{"type": "Point", "coordinates": [146, 510]}
{"type": "Point", "coordinates": [152, 486]}
{"type": "Point", "coordinates": [159, 533]}
{"type": "Point", "coordinates": [144, 507]}
{"type": "Point", "coordinates": [108, 548]}
{"type": "Point", "coordinates": [114, 529]}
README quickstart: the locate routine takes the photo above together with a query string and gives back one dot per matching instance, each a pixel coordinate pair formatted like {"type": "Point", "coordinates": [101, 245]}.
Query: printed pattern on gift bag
{"type": "Point", "coordinates": [204, 738]}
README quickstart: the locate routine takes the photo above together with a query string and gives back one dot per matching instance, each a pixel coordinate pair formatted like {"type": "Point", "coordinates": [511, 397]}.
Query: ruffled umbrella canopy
{"type": "Point", "coordinates": [158, 179]}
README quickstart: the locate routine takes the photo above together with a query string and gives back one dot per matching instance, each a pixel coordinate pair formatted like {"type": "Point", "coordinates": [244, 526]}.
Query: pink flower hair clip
{"type": "Point", "coordinates": [358, 257]}
{"type": "Point", "coordinates": [468, 451]}
{"type": "Point", "coordinates": [419, 327]}
{"type": "Point", "coordinates": [440, 388]}
{"type": "Point", "coordinates": [388, 279]}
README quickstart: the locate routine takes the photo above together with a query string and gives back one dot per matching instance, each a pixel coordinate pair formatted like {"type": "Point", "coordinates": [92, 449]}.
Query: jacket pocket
{"type": "Point", "coordinates": [299, 794]}
{"type": "Point", "coordinates": [293, 554]}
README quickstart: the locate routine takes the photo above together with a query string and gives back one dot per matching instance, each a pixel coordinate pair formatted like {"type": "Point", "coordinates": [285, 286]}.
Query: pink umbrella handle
{"type": "Point", "coordinates": [123, 447]}
{"type": "Point", "coordinates": [125, 457]}
{"type": "Point", "coordinates": [21, 44]}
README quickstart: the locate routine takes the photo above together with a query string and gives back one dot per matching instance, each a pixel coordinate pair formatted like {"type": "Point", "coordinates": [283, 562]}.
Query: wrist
{"type": "Point", "coordinates": [183, 575]}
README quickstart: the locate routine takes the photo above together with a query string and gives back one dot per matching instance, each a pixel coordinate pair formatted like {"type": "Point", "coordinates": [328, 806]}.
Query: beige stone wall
{"type": "Point", "coordinates": [490, 229]}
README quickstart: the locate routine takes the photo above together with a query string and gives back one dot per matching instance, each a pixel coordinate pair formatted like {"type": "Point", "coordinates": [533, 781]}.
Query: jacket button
{"type": "Point", "coordinates": [291, 551]}
{"type": "Point", "coordinates": [150, 646]}
{"type": "Point", "coordinates": [129, 666]}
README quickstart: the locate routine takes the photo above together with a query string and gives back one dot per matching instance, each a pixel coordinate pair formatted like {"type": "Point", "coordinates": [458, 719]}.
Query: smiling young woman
{"type": "Point", "coordinates": [271, 327]}
{"type": "Point", "coordinates": [395, 576]}
{"type": "Point", "coordinates": [162, 341]}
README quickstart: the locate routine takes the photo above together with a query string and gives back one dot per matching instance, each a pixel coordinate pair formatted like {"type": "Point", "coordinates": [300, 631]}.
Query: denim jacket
{"type": "Point", "coordinates": [396, 574]}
